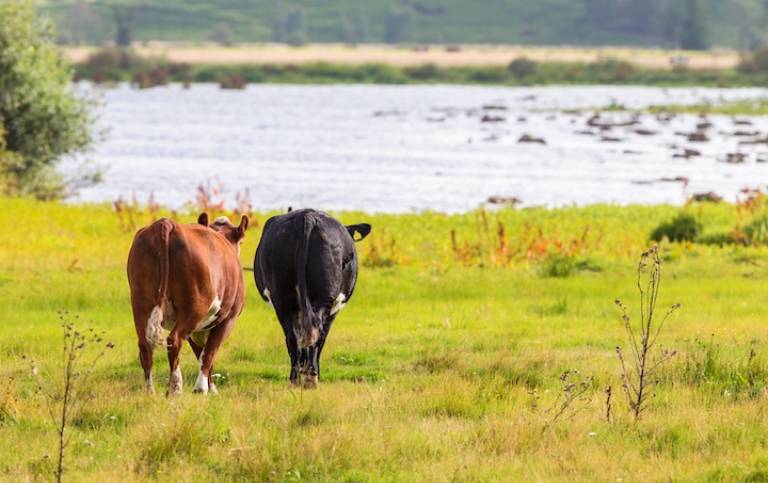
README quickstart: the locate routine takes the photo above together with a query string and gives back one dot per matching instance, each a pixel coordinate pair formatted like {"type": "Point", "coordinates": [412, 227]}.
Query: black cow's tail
{"type": "Point", "coordinates": [154, 331]}
{"type": "Point", "coordinates": [308, 327]}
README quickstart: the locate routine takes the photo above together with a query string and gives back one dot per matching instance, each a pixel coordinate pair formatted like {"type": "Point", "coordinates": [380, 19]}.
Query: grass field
{"type": "Point", "coordinates": [447, 365]}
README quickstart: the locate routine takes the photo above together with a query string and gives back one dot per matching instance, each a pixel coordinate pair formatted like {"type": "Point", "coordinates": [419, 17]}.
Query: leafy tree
{"type": "Point", "coordinates": [643, 15]}
{"type": "Point", "coordinates": [401, 26]}
{"type": "Point", "coordinates": [361, 30]}
{"type": "Point", "coordinates": [295, 28]}
{"type": "Point", "coordinates": [42, 119]}
{"type": "Point", "coordinates": [222, 34]}
{"type": "Point", "coordinates": [598, 11]}
{"type": "Point", "coordinates": [694, 29]}
{"type": "Point", "coordinates": [670, 24]}
{"type": "Point", "coordinates": [278, 27]}
{"type": "Point", "coordinates": [343, 32]}
{"type": "Point", "coordinates": [79, 24]}
{"type": "Point", "coordinates": [125, 17]}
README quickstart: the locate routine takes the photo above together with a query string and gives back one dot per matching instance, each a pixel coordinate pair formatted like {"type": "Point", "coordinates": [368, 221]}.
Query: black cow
{"type": "Point", "coordinates": [306, 268]}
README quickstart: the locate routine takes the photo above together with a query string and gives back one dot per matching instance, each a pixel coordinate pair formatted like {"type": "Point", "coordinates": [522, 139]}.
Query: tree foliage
{"type": "Point", "coordinates": [400, 26]}
{"type": "Point", "coordinates": [694, 33]}
{"type": "Point", "coordinates": [42, 118]}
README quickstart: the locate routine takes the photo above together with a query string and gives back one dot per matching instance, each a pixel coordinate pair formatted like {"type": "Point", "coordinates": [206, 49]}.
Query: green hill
{"type": "Point", "coordinates": [646, 23]}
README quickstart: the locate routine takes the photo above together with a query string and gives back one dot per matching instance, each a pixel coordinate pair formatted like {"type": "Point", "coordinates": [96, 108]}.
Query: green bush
{"type": "Point", "coordinates": [683, 227]}
{"type": "Point", "coordinates": [522, 67]}
{"type": "Point", "coordinates": [756, 231]}
{"type": "Point", "coordinates": [43, 119]}
{"type": "Point", "coordinates": [426, 72]}
{"type": "Point", "coordinates": [558, 266]}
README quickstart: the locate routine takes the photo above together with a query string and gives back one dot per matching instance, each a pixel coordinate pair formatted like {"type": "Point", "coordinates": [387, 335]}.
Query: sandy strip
{"type": "Point", "coordinates": [439, 55]}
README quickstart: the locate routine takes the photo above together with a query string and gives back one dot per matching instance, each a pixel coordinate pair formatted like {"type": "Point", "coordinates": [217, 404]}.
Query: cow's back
{"type": "Point", "coordinates": [202, 266]}
{"type": "Point", "coordinates": [332, 260]}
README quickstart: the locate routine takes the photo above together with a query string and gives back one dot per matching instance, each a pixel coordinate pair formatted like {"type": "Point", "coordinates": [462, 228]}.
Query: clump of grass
{"type": "Point", "coordinates": [706, 365]}
{"type": "Point", "coordinates": [638, 372]}
{"type": "Point", "coordinates": [10, 406]}
{"type": "Point", "coordinates": [65, 397]}
{"type": "Point", "coordinates": [188, 435]}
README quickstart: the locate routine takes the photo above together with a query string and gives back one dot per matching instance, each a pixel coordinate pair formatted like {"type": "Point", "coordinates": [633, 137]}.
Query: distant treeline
{"type": "Point", "coordinates": [686, 24]}
{"type": "Point", "coordinates": [123, 65]}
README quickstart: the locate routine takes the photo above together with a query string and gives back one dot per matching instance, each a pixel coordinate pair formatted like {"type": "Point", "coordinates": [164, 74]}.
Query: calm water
{"type": "Point", "coordinates": [412, 148]}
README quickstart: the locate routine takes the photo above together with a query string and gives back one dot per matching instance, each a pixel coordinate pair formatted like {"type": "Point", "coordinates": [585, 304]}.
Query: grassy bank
{"type": "Point", "coordinates": [114, 65]}
{"type": "Point", "coordinates": [446, 365]}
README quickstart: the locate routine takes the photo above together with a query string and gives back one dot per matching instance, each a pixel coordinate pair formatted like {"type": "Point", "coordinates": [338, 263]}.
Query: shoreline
{"type": "Point", "coordinates": [440, 55]}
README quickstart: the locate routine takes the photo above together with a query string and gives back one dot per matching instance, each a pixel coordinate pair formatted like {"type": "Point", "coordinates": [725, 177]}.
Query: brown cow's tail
{"type": "Point", "coordinates": [308, 330]}
{"type": "Point", "coordinates": [154, 332]}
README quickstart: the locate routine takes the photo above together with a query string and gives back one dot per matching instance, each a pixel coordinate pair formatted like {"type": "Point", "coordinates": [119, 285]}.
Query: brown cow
{"type": "Point", "coordinates": [187, 279]}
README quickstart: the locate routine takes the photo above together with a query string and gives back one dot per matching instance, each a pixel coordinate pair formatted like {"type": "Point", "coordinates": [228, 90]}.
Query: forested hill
{"type": "Point", "coordinates": [696, 24]}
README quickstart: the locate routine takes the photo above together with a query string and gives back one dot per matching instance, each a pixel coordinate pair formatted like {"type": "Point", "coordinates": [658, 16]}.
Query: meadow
{"type": "Point", "coordinates": [454, 360]}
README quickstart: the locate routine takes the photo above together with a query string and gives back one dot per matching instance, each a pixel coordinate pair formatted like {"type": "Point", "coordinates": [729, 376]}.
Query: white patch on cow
{"type": "Point", "coordinates": [268, 295]}
{"type": "Point", "coordinates": [201, 385]}
{"type": "Point", "coordinates": [212, 389]}
{"type": "Point", "coordinates": [154, 330]}
{"type": "Point", "coordinates": [150, 384]}
{"type": "Point", "coordinates": [221, 219]}
{"type": "Point", "coordinates": [210, 317]}
{"type": "Point", "coordinates": [339, 303]}
{"type": "Point", "coordinates": [174, 383]}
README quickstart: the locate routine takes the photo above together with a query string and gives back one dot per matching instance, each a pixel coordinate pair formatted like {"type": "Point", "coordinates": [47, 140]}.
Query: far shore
{"type": "Point", "coordinates": [441, 55]}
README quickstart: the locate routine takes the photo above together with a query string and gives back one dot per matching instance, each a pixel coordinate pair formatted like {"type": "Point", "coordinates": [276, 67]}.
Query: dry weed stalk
{"type": "Point", "coordinates": [64, 397]}
{"type": "Point", "coordinates": [637, 373]}
{"type": "Point", "coordinates": [570, 397]}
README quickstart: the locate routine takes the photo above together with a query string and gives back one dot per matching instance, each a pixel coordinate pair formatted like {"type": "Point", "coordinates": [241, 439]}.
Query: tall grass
{"type": "Point", "coordinates": [428, 371]}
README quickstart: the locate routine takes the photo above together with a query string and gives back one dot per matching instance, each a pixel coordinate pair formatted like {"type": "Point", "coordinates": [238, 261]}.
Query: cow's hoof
{"type": "Point", "coordinates": [310, 382]}
{"type": "Point", "coordinates": [294, 383]}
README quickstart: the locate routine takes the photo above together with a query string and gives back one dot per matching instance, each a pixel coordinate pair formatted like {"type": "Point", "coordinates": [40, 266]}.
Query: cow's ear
{"type": "Point", "coordinates": [363, 229]}
{"type": "Point", "coordinates": [203, 219]}
{"type": "Point", "coordinates": [244, 221]}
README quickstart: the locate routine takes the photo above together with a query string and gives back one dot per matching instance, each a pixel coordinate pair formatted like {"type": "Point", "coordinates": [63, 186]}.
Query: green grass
{"type": "Point", "coordinates": [428, 374]}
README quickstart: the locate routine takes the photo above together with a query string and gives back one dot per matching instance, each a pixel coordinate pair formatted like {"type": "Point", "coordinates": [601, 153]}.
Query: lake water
{"type": "Point", "coordinates": [412, 148]}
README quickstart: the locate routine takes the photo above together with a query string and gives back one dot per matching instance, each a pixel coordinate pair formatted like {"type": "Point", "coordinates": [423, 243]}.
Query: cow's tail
{"type": "Point", "coordinates": [309, 332]}
{"type": "Point", "coordinates": [154, 332]}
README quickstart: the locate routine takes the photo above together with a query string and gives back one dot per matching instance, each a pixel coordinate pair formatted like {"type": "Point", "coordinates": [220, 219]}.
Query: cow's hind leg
{"type": "Point", "coordinates": [197, 343]}
{"type": "Point", "coordinates": [292, 343]}
{"type": "Point", "coordinates": [146, 348]}
{"type": "Point", "coordinates": [216, 338]}
{"type": "Point", "coordinates": [145, 356]}
{"type": "Point", "coordinates": [180, 333]}
{"type": "Point", "coordinates": [311, 368]}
